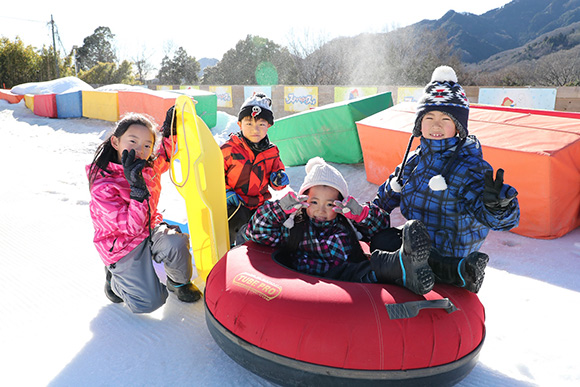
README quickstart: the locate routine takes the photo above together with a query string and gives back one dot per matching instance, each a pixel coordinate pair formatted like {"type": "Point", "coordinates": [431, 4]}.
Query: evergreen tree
{"type": "Point", "coordinates": [249, 59]}
{"type": "Point", "coordinates": [108, 73]}
{"type": "Point", "coordinates": [96, 48]}
{"type": "Point", "coordinates": [18, 64]}
{"type": "Point", "coordinates": [182, 69]}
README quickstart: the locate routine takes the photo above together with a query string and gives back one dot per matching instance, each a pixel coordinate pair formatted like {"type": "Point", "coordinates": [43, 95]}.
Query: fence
{"type": "Point", "coordinates": [566, 98]}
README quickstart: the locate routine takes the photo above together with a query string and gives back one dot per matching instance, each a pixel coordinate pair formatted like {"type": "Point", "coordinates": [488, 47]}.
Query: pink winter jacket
{"type": "Point", "coordinates": [121, 224]}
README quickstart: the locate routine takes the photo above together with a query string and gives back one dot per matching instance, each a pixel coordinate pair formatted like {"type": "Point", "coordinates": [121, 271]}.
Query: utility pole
{"type": "Point", "coordinates": [54, 49]}
{"type": "Point", "coordinates": [75, 56]}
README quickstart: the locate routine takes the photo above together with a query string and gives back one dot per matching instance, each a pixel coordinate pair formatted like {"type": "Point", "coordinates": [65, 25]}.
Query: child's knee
{"type": "Point", "coordinates": [179, 244]}
{"type": "Point", "coordinates": [146, 304]}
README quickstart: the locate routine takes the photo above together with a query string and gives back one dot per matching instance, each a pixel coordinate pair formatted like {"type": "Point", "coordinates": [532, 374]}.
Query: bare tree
{"type": "Point", "coordinates": [143, 66]}
{"type": "Point", "coordinates": [317, 61]}
{"type": "Point", "coordinates": [520, 74]}
{"type": "Point", "coordinates": [561, 68]}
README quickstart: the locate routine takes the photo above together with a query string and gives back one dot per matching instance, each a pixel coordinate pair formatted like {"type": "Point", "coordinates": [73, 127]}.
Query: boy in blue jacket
{"type": "Point", "coordinates": [446, 184]}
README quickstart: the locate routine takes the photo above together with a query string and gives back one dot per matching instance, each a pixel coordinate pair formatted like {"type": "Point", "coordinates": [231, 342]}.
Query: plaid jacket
{"type": "Point", "coordinates": [456, 218]}
{"type": "Point", "coordinates": [248, 174]}
{"type": "Point", "coordinates": [323, 246]}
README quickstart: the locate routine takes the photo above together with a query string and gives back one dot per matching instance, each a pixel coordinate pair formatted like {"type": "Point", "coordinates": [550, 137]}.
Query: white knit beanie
{"type": "Point", "coordinates": [318, 172]}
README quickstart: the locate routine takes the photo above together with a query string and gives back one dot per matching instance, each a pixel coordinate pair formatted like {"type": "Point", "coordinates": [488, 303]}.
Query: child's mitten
{"type": "Point", "coordinates": [290, 203]}
{"type": "Point", "coordinates": [351, 209]}
{"type": "Point", "coordinates": [279, 179]}
{"type": "Point", "coordinates": [133, 169]}
{"type": "Point", "coordinates": [232, 198]}
{"type": "Point", "coordinates": [170, 123]}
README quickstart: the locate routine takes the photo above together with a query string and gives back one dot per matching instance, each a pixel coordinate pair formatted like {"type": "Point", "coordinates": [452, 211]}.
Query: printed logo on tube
{"type": "Point", "coordinates": [264, 288]}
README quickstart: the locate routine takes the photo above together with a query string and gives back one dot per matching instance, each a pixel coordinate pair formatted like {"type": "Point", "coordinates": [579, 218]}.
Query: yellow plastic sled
{"type": "Point", "coordinates": [197, 170]}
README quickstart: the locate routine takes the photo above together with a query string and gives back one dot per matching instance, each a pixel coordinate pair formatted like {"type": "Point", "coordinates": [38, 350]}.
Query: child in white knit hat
{"type": "Point", "coordinates": [446, 184]}
{"type": "Point", "coordinates": [317, 233]}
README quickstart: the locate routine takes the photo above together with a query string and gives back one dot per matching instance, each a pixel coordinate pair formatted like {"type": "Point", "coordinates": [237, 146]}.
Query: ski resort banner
{"type": "Point", "coordinates": [300, 98]}
{"type": "Point", "coordinates": [251, 90]}
{"type": "Point", "coordinates": [224, 95]}
{"type": "Point", "coordinates": [350, 93]}
{"type": "Point", "coordinates": [409, 94]}
{"type": "Point", "coordinates": [544, 99]}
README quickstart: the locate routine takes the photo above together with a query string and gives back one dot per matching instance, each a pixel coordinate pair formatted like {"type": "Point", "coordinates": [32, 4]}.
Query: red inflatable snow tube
{"type": "Point", "coordinates": [296, 329]}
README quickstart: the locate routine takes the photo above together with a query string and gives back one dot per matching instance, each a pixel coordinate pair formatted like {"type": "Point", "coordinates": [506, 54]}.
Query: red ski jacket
{"type": "Point", "coordinates": [248, 174]}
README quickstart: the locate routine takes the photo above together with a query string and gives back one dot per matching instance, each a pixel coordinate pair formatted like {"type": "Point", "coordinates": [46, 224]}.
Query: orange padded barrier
{"type": "Point", "coordinates": [154, 104]}
{"type": "Point", "coordinates": [9, 96]}
{"type": "Point", "coordinates": [539, 151]}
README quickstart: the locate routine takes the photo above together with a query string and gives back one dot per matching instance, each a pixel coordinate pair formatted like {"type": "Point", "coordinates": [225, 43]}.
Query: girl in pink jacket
{"type": "Point", "coordinates": [125, 185]}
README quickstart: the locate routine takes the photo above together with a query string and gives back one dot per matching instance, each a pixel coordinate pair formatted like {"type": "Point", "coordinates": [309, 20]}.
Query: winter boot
{"type": "Point", "coordinates": [187, 292]}
{"type": "Point", "coordinates": [407, 266]}
{"type": "Point", "coordinates": [465, 273]}
{"type": "Point", "coordinates": [108, 291]}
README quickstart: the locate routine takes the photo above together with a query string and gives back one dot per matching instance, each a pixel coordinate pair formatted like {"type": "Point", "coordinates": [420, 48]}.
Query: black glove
{"type": "Point", "coordinates": [492, 191]}
{"type": "Point", "coordinates": [167, 124]}
{"type": "Point", "coordinates": [133, 173]}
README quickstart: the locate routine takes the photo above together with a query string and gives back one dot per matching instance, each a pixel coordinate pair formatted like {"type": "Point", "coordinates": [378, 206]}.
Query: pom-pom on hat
{"type": "Point", "coordinates": [444, 94]}
{"type": "Point", "coordinates": [257, 106]}
{"type": "Point", "coordinates": [318, 172]}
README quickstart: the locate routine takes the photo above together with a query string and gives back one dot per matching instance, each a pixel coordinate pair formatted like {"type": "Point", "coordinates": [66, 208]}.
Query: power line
{"type": "Point", "coordinates": [21, 19]}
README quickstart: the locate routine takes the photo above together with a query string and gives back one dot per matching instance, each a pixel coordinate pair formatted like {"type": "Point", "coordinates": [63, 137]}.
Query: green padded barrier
{"type": "Point", "coordinates": [206, 106]}
{"type": "Point", "coordinates": [328, 131]}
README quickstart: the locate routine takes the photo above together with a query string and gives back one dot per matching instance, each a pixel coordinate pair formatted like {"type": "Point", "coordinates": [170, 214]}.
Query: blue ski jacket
{"type": "Point", "coordinates": [456, 218]}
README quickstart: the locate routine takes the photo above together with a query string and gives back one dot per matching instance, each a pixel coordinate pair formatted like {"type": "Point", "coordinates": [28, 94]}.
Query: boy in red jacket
{"type": "Point", "coordinates": [251, 164]}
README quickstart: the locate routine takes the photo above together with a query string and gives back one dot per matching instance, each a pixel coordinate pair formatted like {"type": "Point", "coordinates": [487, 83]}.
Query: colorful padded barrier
{"type": "Point", "coordinates": [539, 151]}
{"type": "Point", "coordinates": [70, 105]}
{"type": "Point", "coordinates": [45, 105]}
{"type": "Point", "coordinates": [101, 105]}
{"type": "Point", "coordinates": [329, 131]}
{"type": "Point", "coordinates": [10, 96]}
{"type": "Point", "coordinates": [206, 106]}
{"type": "Point", "coordinates": [152, 103]}
{"type": "Point", "coordinates": [29, 101]}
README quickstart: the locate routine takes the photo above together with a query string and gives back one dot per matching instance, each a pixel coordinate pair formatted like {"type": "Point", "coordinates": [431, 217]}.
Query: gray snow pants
{"type": "Point", "coordinates": [134, 278]}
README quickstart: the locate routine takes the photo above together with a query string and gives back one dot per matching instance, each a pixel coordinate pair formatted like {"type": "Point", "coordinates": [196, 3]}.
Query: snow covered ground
{"type": "Point", "coordinates": [57, 328]}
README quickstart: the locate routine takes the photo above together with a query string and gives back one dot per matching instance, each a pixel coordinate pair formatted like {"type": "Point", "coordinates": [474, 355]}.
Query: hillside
{"type": "Point", "coordinates": [478, 37]}
{"type": "Point", "coordinates": [564, 41]}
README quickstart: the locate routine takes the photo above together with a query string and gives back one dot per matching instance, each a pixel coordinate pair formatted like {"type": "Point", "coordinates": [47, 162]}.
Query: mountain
{"type": "Point", "coordinates": [564, 40]}
{"type": "Point", "coordinates": [478, 37]}
{"type": "Point", "coordinates": [206, 62]}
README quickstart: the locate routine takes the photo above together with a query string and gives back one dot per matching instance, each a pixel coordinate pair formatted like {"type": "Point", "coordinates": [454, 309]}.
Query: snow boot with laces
{"type": "Point", "coordinates": [407, 266]}
{"type": "Point", "coordinates": [108, 290]}
{"type": "Point", "coordinates": [465, 272]}
{"type": "Point", "coordinates": [187, 292]}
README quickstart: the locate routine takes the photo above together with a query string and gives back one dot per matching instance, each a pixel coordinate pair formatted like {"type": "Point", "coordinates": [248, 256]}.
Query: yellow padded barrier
{"type": "Point", "coordinates": [29, 101]}
{"type": "Point", "coordinates": [101, 105]}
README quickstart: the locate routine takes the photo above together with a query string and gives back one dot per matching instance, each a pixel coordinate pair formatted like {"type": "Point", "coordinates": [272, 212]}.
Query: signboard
{"type": "Point", "coordinates": [224, 95]}
{"type": "Point", "coordinates": [530, 98]}
{"type": "Point", "coordinates": [300, 98]}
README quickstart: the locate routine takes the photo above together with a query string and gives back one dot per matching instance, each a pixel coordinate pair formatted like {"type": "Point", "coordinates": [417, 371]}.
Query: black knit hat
{"type": "Point", "coordinates": [257, 106]}
{"type": "Point", "coordinates": [444, 94]}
